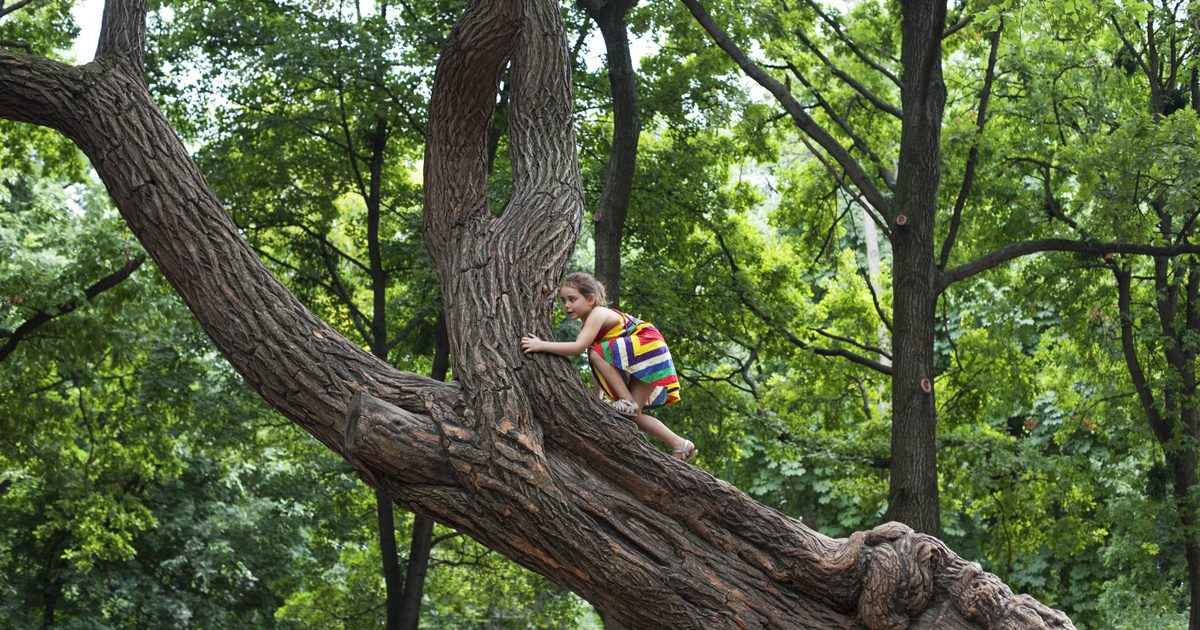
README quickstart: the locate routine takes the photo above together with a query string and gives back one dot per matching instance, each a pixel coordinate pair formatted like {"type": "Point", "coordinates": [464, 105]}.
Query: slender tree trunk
{"type": "Point", "coordinates": [386, 523]}
{"type": "Point", "coordinates": [1183, 468]}
{"type": "Point", "coordinates": [1184, 463]}
{"type": "Point", "coordinates": [609, 221]}
{"type": "Point", "coordinates": [515, 452]}
{"type": "Point", "coordinates": [385, 513]}
{"type": "Point", "coordinates": [1175, 422]}
{"type": "Point", "coordinates": [913, 495]}
{"type": "Point", "coordinates": [422, 530]}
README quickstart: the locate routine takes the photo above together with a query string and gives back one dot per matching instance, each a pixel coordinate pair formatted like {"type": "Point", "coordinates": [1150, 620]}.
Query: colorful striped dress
{"type": "Point", "coordinates": [638, 350]}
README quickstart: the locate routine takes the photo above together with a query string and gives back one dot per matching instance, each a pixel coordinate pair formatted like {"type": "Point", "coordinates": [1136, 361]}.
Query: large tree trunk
{"type": "Point", "coordinates": [913, 494]}
{"type": "Point", "coordinates": [516, 454]}
{"type": "Point", "coordinates": [609, 221]}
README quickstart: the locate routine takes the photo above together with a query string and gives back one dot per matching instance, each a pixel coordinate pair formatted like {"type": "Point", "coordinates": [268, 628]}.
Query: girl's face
{"type": "Point", "coordinates": [574, 304]}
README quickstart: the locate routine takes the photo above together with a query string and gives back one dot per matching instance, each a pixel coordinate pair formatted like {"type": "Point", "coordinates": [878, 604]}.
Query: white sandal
{"type": "Point", "coordinates": [686, 451]}
{"type": "Point", "coordinates": [624, 406]}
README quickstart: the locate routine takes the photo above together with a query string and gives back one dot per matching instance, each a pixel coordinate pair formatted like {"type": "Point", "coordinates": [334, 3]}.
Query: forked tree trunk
{"type": "Point", "coordinates": [1172, 412]}
{"type": "Point", "coordinates": [516, 454]}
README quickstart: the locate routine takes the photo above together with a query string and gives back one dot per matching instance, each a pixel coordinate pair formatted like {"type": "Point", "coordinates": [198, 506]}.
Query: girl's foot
{"type": "Point", "coordinates": [686, 451]}
{"type": "Point", "coordinates": [624, 406]}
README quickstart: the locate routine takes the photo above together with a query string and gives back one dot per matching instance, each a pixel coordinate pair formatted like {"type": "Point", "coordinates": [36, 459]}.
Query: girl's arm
{"type": "Point", "coordinates": [591, 328]}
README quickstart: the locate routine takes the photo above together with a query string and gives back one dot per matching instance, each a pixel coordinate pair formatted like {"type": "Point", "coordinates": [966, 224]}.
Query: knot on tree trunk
{"type": "Point", "coordinates": [897, 576]}
{"type": "Point", "coordinates": [912, 580]}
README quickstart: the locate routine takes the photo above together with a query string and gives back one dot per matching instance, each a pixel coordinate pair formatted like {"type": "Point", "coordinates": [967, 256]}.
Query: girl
{"type": "Point", "coordinates": [630, 360]}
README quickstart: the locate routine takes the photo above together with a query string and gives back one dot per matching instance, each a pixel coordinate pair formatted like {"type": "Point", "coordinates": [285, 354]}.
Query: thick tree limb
{"type": "Point", "coordinates": [34, 89]}
{"type": "Point", "coordinates": [398, 443]}
{"type": "Point", "coordinates": [801, 118]}
{"type": "Point", "coordinates": [973, 155]}
{"type": "Point", "coordinates": [547, 199]}
{"type": "Point", "coordinates": [461, 141]}
{"type": "Point", "coordinates": [1016, 250]}
{"type": "Point", "coordinates": [42, 318]}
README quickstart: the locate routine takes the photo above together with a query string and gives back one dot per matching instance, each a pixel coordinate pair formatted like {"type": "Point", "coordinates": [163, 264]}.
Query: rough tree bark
{"type": "Point", "coordinates": [609, 221]}
{"type": "Point", "coordinates": [516, 453]}
{"type": "Point", "coordinates": [913, 490]}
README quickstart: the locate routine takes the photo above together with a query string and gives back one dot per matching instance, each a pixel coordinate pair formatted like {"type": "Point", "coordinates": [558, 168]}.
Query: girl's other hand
{"type": "Point", "coordinates": [530, 343]}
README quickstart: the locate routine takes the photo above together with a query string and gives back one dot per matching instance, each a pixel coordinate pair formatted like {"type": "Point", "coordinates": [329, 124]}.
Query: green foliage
{"type": "Point", "coordinates": [148, 487]}
{"type": "Point", "coordinates": [46, 26]}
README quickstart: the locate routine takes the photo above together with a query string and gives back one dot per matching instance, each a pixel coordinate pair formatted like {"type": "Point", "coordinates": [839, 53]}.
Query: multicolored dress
{"type": "Point", "coordinates": [638, 350]}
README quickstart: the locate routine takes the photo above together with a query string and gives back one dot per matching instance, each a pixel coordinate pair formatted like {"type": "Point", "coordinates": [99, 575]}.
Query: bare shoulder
{"type": "Point", "coordinates": [606, 317]}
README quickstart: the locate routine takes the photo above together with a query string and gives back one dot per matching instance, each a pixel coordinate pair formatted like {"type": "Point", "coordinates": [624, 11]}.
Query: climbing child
{"type": "Point", "coordinates": [630, 361]}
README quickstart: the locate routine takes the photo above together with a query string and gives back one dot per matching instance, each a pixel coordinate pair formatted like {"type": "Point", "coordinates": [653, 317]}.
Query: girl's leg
{"type": "Point", "coordinates": [650, 424]}
{"type": "Point", "coordinates": [611, 375]}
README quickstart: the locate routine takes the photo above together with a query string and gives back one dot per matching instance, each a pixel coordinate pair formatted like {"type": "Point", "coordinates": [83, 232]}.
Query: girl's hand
{"type": "Point", "coordinates": [530, 343]}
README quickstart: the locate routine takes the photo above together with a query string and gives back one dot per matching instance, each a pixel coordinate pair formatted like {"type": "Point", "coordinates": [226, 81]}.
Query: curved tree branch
{"type": "Point", "coordinates": [1162, 426]}
{"type": "Point", "coordinates": [858, 344]}
{"type": "Point", "coordinates": [456, 146]}
{"type": "Point", "coordinates": [1016, 250]}
{"type": "Point", "coordinates": [547, 200]}
{"type": "Point", "coordinates": [42, 318]}
{"type": "Point", "coordinates": [957, 26]}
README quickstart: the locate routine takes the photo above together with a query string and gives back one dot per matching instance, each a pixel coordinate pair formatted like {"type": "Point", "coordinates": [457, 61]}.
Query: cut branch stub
{"type": "Point", "coordinates": [380, 436]}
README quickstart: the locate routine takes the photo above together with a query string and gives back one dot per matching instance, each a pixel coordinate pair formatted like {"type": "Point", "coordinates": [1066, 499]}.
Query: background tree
{"type": "Point", "coordinates": [904, 203]}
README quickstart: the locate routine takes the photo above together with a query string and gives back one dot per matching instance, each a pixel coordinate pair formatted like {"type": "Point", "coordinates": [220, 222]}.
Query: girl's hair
{"type": "Point", "coordinates": [586, 284]}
